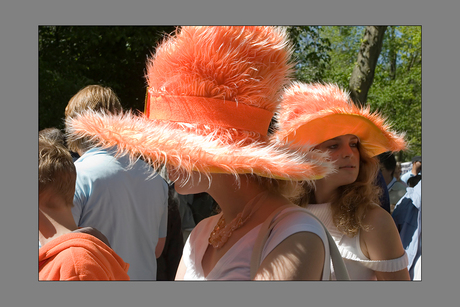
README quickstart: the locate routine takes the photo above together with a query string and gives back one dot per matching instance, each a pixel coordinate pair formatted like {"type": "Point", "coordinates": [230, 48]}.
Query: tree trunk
{"type": "Point", "coordinates": [363, 72]}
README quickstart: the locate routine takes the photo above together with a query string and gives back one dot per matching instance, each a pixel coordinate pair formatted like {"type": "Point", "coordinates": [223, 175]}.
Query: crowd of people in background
{"type": "Point", "coordinates": [117, 201]}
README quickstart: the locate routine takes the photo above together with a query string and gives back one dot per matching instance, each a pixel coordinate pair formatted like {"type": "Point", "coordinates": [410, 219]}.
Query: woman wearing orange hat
{"type": "Point", "coordinates": [212, 92]}
{"type": "Point", "coordinates": [346, 201]}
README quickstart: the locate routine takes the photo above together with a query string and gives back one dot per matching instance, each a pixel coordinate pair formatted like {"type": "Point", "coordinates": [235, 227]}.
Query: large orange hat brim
{"type": "Point", "coordinates": [314, 113]}
{"type": "Point", "coordinates": [196, 149]}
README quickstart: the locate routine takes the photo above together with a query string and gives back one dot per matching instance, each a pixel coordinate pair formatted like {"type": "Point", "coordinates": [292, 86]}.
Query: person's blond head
{"type": "Point", "coordinates": [92, 97]}
{"type": "Point", "coordinates": [56, 170]}
{"type": "Point", "coordinates": [53, 134]}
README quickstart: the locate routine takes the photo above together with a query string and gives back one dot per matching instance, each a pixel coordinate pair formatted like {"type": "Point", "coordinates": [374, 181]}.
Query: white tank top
{"type": "Point", "coordinates": [358, 265]}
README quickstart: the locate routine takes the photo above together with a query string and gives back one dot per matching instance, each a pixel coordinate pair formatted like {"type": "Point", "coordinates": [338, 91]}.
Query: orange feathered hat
{"type": "Point", "coordinates": [212, 92]}
{"type": "Point", "coordinates": [313, 113]}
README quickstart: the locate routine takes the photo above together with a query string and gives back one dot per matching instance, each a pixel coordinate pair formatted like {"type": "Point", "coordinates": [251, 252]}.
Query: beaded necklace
{"type": "Point", "coordinates": [222, 231]}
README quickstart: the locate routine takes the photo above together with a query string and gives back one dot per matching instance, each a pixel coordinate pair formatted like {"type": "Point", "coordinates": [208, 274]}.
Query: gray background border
{"type": "Point", "coordinates": [19, 125]}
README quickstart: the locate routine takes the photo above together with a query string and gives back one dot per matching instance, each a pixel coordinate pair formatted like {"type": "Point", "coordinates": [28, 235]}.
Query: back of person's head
{"type": "Point", "coordinates": [388, 161]}
{"type": "Point", "coordinates": [52, 134]}
{"type": "Point", "coordinates": [92, 97]}
{"type": "Point", "coordinates": [56, 171]}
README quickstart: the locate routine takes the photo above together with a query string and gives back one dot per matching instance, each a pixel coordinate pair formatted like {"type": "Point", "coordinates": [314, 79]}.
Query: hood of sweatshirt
{"type": "Point", "coordinates": [80, 256]}
{"type": "Point", "coordinates": [94, 232]}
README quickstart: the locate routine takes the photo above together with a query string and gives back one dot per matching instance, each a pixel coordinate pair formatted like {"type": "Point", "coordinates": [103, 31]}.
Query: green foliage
{"type": "Point", "coordinates": [71, 57]}
{"type": "Point", "coordinates": [345, 43]}
{"type": "Point", "coordinates": [398, 94]}
{"type": "Point", "coordinates": [311, 52]}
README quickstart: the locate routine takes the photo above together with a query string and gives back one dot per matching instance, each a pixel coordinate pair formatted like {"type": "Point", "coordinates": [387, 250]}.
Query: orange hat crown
{"type": "Point", "coordinates": [202, 74]}
{"type": "Point", "coordinates": [247, 65]}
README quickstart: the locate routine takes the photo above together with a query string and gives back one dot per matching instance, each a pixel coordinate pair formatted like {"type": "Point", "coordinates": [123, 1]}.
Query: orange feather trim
{"type": "Point", "coordinates": [191, 148]}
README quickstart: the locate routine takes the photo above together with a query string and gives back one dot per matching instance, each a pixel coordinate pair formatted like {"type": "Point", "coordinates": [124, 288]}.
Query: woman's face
{"type": "Point", "coordinates": [344, 152]}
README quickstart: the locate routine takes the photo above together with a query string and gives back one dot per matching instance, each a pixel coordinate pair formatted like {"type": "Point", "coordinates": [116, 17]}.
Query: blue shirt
{"type": "Point", "coordinates": [127, 204]}
{"type": "Point", "coordinates": [408, 218]}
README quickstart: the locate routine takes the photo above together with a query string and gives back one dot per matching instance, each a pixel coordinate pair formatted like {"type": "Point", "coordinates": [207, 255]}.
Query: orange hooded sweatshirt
{"type": "Point", "coordinates": [80, 256]}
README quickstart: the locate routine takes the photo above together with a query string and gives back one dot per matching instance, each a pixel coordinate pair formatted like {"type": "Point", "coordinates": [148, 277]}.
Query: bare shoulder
{"type": "Point", "coordinates": [378, 219]}
{"type": "Point", "coordinates": [382, 240]}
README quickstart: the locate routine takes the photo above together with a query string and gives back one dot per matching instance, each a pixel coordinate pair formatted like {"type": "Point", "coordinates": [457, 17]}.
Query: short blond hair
{"type": "Point", "coordinates": [92, 97]}
{"type": "Point", "coordinates": [52, 134]}
{"type": "Point", "coordinates": [56, 170]}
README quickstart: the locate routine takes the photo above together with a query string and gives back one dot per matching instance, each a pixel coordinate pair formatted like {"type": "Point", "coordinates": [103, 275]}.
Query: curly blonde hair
{"type": "Point", "coordinates": [350, 202]}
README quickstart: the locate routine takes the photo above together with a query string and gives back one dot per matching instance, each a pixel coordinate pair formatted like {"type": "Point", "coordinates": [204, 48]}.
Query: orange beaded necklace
{"type": "Point", "coordinates": [222, 231]}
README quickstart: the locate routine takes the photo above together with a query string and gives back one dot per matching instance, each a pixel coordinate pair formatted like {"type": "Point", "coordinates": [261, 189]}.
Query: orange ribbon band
{"type": "Point", "coordinates": [202, 110]}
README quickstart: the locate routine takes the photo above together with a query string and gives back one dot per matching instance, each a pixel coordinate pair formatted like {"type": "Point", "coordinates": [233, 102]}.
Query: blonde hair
{"type": "Point", "coordinates": [56, 170]}
{"type": "Point", "coordinates": [92, 97]}
{"type": "Point", "coordinates": [52, 134]}
{"type": "Point", "coordinates": [349, 203]}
